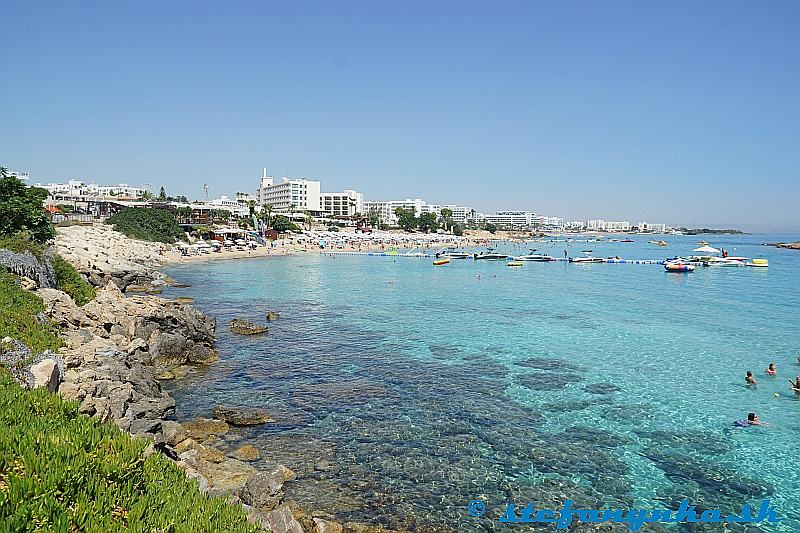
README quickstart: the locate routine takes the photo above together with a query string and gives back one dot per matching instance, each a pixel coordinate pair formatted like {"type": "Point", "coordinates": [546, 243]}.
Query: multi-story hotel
{"type": "Point", "coordinates": [290, 194]}
{"type": "Point", "coordinates": [343, 204]}
{"type": "Point", "coordinates": [607, 225]}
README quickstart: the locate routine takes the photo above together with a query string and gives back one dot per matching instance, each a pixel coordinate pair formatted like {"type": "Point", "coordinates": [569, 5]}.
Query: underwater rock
{"type": "Point", "coordinates": [602, 388]}
{"type": "Point", "coordinates": [246, 327]}
{"type": "Point", "coordinates": [242, 416]}
{"type": "Point", "coordinates": [544, 363]}
{"type": "Point", "coordinates": [544, 381]}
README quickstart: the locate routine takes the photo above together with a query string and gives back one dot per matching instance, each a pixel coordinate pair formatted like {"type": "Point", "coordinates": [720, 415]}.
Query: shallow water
{"type": "Point", "coordinates": [404, 390]}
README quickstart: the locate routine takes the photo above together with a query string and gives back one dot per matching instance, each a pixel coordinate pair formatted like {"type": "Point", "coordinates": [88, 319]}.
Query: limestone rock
{"type": "Point", "coordinates": [247, 453]}
{"type": "Point", "coordinates": [263, 490]}
{"type": "Point", "coordinates": [326, 526]}
{"type": "Point", "coordinates": [229, 475]}
{"type": "Point", "coordinates": [174, 433]}
{"type": "Point", "coordinates": [202, 428]}
{"type": "Point", "coordinates": [242, 416]}
{"type": "Point", "coordinates": [46, 374]}
{"type": "Point", "coordinates": [281, 520]}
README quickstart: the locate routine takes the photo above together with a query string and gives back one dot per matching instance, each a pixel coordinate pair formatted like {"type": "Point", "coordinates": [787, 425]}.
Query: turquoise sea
{"type": "Point", "coordinates": [403, 391]}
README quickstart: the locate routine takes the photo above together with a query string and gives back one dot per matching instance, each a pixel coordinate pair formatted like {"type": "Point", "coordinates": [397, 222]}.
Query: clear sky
{"type": "Point", "coordinates": [677, 112]}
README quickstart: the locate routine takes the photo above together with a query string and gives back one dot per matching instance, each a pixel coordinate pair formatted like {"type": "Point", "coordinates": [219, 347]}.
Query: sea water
{"type": "Point", "coordinates": [401, 391]}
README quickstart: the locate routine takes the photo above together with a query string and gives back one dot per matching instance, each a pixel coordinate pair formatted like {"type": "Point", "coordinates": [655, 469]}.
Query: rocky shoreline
{"type": "Point", "coordinates": [119, 347]}
{"type": "Point", "coordinates": [787, 245]}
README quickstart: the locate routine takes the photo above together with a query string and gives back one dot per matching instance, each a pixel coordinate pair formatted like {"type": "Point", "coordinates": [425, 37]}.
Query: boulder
{"type": "Point", "coordinates": [326, 526]}
{"type": "Point", "coordinates": [202, 428]}
{"type": "Point", "coordinates": [229, 475]}
{"type": "Point", "coordinates": [173, 432]}
{"type": "Point", "coordinates": [281, 520]}
{"type": "Point", "coordinates": [46, 374]}
{"type": "Point", "coordinates": [263, 490]}
{"type": "Point", "coordinates": [212, 455]}
{"type": "Point", "coordinates": [242, 416]}
{"type": "Point", "coordinates": [247, 453]}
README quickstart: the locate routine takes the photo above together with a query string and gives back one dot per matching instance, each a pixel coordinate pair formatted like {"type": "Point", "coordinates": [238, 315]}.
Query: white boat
{"type": "Point", "coordinates": [535, 257]}
{"type": "Point", "coordinates": [587, 259]}
{"type": "Point", "coordinates": [491, 256]}
{"type": "Point", "coordinates": [452, 254]}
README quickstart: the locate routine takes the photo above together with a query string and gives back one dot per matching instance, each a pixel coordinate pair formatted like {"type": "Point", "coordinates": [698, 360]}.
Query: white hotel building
{"type": "Point", "coordinates": [79, 188]}
{"type": "Point", "coordinates": [343, 204]}
{"type": "Point", "coordinates": [386, 210]}
{"type": "Point", "coordinates": [297, 194]}
{"type": "Point", "coordinates": [607, 225]}
{"type": "Point", "coordinates": [515, 219]}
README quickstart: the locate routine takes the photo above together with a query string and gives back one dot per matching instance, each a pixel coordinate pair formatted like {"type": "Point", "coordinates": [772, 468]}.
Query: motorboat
{"type": "Point", "coordinates": [413, 253]}
{"type": "Point", "coordinates": [535, 257]}
{"type": "Point", "coordinates": [452, 254]}
{"type": "Point", "coordinates": [677, 266]}
{"type": "Point", "coordinates": [491, 256]}
{"type": "Point", "coordinates": [587, 259]}
{"type": "Point", "coordinates": [722, 262]}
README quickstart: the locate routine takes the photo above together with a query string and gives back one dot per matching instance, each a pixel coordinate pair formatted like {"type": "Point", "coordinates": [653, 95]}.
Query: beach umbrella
{"type": "Point", "coordinates": [706, 250]}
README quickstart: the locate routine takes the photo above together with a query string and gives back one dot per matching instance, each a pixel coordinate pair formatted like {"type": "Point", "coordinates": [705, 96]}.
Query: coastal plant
{"type": "Point", "coordinates": [21, 209]}
{"type": "Point", "coordinates": [71, 282]}
{"type": "Point", "coordinates": [147, 224]}
{"type": "Point", "coordinates": [63, 471]}
{"type": "Point", "coordinates": [21, 242]}
{"type": "Point", "coordinates": [18, 316]}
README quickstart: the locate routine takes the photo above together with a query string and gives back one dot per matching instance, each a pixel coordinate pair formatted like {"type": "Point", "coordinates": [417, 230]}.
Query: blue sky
{"type": "Point", "coordinates": [681, 112]}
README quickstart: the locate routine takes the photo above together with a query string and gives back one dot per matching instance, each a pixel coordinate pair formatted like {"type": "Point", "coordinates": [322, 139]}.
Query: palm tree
{"type": "Point", "coordinates": [446, 214]}
{"type": "Point", "coordinates": [268, 210]}
{"type": "Point", "coordinates": [307, 214]}
{"type": "Point", "coordinates": [3, 172]}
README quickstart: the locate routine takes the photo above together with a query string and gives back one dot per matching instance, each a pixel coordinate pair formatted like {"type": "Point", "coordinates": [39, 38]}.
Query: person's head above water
{"type": "Point", "coordinates": [752, 417]}
{"type": "Point", "coordinates": [749, 373]}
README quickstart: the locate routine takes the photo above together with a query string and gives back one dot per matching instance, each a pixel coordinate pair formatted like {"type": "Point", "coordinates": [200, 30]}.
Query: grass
{"type": "Point", "coordinates": [63, 471]}
{"type": "Point", "coordinates": [18, 310]}
{"type": "Point", "coordinates": [71, 282]}
{"type": "Point", "coordinates": [21, 242]}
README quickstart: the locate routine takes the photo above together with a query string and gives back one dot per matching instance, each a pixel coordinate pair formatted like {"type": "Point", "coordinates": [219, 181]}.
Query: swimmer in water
{"type": "Point", "coordinates": [771, 370]}
{"type": "Point", "coordinates": [795, 385]}
{"type": "Point", "coordinates": [752, 420]}
{"type": "Point", "coordinates": [749, 378]}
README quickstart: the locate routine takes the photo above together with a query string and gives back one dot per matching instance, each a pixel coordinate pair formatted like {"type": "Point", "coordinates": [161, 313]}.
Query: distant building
{"type": "Point", "coordinates": [462, 214]}
{"type": "Point", "coordinates": [290, 194]}
{"type": "Point", "coordinates": [80, 188]}
{"type": "Point", "coordinates": [652, 228]}
{"type": "Point", "coordinates": [235, 207]}
{"type": "Point", "coordinates": [386, 210]}
{"type": "Point", "coordinates": [343, 204]}
{"type": "Point", "coordinates": [21, 176]}
{"type": "Point", "coordinates": [607, 225]}
{"type": "Point", "coordinates": [515, 219]}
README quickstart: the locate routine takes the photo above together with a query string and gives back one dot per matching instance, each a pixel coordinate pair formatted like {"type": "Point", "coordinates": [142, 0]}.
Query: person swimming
{"type": "Point", "coordinates": [795, 385]}
{"type": "Point", "coordinates": [771, 370]}
{"type": "Point", "coordinates": [751, 420]}
{"type": "Point", "coordinates": [749, 379]}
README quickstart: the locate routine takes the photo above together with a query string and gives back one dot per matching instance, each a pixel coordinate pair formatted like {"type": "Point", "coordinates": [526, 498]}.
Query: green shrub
{"type": "Point", "coordinates": [157, 225]}
{"type": "Point", "coordinates": [63, 471]}
{"type": "Point", "coordinates": [18, 310]}
{"type": "Point", "coordinates": [71, 282]}
{"type": "Point", "coordinates": [22, 242]}
{"type": "Point", "coordinates": [21, 209]}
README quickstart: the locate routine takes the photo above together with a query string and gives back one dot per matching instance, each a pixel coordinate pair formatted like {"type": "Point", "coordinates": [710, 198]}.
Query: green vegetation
{"type": "Point", "coordinates": [147, 224]}
{"type": "Point", "coordinates": [18, 310]}
{"type": "Point", "coordinates": [71, 282]}
{"type": "Point", "coordinates": [458, 230]}
{"type": "Point", "coordinates": [63, 471]}
{"type": "Point", "coordinates": [491, 228]}
{"type": "Point", "coordinates": [707, 231]}
{"type": "Point", "coordinates": [427, 222]}
{"type": "Point", "coordinates": [406, 218]}
{"type": "Point", "coordinates": [20, 243]}
{"type": "Point", "coordinates": [282, 224]}
{"type": "Point", "coordinates": [21, 209]}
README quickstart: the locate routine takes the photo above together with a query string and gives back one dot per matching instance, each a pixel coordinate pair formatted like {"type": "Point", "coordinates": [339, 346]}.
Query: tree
{"type": "Point", "coordinates": [458, 230]}
{"type": "Point", "coordinates": [447, 216]}
{"type": "Point", "coordinates": [266, 214]}
{"type": "Point", "coordinates": [427, 222]}
{"type": "Point", "coordinates": [374, 218]}
{"type": "Point", "coordinates": [162, 195]}
{"type": "Point", "coordinates": [148, 224]}
{"type": "Point", "coordinates": [491, 228]}
{"type": "Point", "coordinates": [184, 214]}
{"type": "Point", "coordinates": [307, 216]}
{"type": "Point", "coordinates": [21, 209]}
{"type": "Point", "coordinates": [251, 205]}
{"type": "Point", "coordinates": [406, 218]}
{"type": "Point", "coordinates": [282, 224]}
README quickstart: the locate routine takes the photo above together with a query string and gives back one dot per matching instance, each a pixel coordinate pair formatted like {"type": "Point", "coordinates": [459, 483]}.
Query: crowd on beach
{"type": "Point", "coordinates": [750, 380]}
